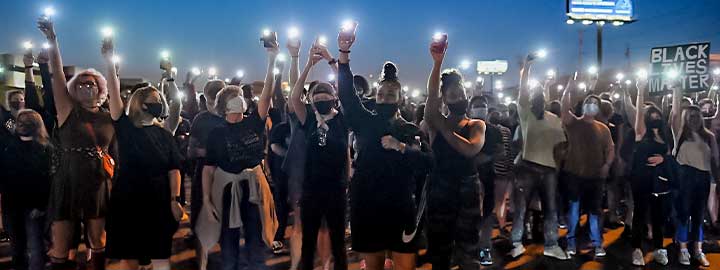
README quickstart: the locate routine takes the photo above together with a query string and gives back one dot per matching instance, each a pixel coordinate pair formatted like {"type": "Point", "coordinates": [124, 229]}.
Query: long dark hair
{"type": "Point", "coordinates": [662, 131]}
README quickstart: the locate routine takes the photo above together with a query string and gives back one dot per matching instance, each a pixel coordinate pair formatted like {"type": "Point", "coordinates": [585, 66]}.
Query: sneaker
{"type": "Point", "coordinates": [638, 259]}
{"type": "Point", "coordinates": [556, 252]}
{"type": "Point", "coordinates": [600, 252]}
{"type": "Point", "coordinates": [277, 247]}
{"type": "Point", "coordinates": [571, 249]}
{"type": "Point", "coordinates": [562, 224]}
{"type": "Point", "coordinates": [661, 256]}
{"type": "Point", "coordinates": [486, 257]}
{"type": "Point", "coordinates": [701, 259]}
{"type": "Point", "coordinates": [684, 257]}
{"type": "Point", "coordinates": [518, 249]}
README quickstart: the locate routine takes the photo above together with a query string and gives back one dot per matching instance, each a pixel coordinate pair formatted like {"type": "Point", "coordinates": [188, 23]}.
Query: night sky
{"type": "Point", "coordinates": [225, 33]}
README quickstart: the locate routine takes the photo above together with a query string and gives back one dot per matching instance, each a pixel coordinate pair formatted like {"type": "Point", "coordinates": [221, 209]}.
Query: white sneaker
{"type": "Point", "coordinates": [518, 250]}
{"type": "Point", "coordinates": [556, 252]}
{"type": "Point", "coordinates": [661, 256]}
{"type": "Point", "coordinates": [600, 252]}
{"type": "Point", "coordinates": [684, 257]}
{"type": "Point", "coordinates": [702, 260]}
{"type": "Point", "coordinates": [637, 258]}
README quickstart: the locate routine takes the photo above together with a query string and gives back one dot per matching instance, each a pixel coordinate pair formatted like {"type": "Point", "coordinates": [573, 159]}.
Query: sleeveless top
{"type": "Point", "coordinates": [450, 161]}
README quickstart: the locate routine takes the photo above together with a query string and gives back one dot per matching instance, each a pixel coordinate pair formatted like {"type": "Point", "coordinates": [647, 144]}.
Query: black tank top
{"type": "Point", "coordinates": [450, 161]}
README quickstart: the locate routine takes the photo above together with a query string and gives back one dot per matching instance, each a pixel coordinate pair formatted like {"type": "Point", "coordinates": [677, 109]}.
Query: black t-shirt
{"type": "Point", "coordinates": [202, 125]}
{"type": "Point", "coordinates": [236, 147]}
{"type": "Point", "coordinates": [326, 165]}
{"type": "Point", "coordinates": [493, 140]}
{"type": "Point", "coordinates": [148, 152]}
{"type": "Point", "coordinates": [24, 172]}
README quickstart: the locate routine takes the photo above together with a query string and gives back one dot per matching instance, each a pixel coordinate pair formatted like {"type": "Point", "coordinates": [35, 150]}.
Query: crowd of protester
{"type": "Point", "coordinates": [82, 161]}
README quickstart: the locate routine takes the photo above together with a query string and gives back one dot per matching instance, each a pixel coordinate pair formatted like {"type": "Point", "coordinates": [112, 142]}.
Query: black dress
{"type": "Point", "coordinates": [140, 224]}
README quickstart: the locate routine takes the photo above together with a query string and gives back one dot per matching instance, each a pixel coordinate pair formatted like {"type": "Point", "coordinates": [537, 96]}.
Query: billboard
{"type": "Point", "coordinates": [691, 62]}
{"type": "Point", "coordinates": [600, 10]}
{"type": "Point", "coordinates": [492, 67]}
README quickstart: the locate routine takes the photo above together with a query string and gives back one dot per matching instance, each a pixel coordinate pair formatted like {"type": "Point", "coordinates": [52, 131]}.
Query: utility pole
{"type": "Point", "coordinates": [580, 49]}
{"type": "Point", "coordinates": [599, 46]}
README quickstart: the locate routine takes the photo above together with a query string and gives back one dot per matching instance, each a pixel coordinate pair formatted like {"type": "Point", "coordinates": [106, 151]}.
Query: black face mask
{"type": "Point", "coordinates": [324, 107]}
{"type": "Point", "coordinates": [154, 109]}
{"type": "Point", "coordinates": [654, 124]}
{"type": "Point", "coordinates": [16, 105]}
{"type": "Point", "coordinates": [386, 110]}
{"type": "Point", "coordinates": [458, 108]}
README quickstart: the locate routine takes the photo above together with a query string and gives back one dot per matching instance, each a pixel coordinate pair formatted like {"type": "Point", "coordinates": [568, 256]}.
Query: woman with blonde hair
{"type": "Point", "coordinates": [25, 186]}
{"type": "Point", "coordinates": [80, 187]}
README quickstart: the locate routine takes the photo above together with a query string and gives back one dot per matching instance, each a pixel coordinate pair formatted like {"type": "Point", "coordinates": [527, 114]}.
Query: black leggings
{"type": "Point", "coordinates": [313, 208]}
{"type": "Point", "coordinates": [658, 207]}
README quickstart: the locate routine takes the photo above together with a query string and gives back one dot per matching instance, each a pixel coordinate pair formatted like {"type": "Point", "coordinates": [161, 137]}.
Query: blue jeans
{"type": "Point", "coordinates": [573, 219]}
{"type": "Point", "coordinates": [692, 203]}
{"type": "Point", "coordinates": [251, 255]}
{"type": "Point", "coordinates": [26, 227]}
{"type": "Point", "coordinates": [532, 178]}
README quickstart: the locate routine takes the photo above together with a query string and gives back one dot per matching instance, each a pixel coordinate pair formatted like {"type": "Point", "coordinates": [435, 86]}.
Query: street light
{"type": "Point", "coordinates": [465, 64]}
{"type": "Point", "coordinates": [587, 22]}
{"type": "Point", "coordinates": [641, 74]}
{"type": "Point", "coordinates": [618, 23]}
{"type": "Point", "coordinates": [601, 23]}
{"type": "Point", "coordinates": [570, 21]}
{"type": "Point", "coordinates": [240, 73]}
{"type": "Point", "coordinates": [628, 82]}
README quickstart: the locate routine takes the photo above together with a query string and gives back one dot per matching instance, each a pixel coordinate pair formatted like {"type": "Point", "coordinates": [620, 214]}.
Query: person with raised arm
{"type": "Point", "coordinates": [382, 210]}
{"type": "Point", "coordinates": [237, 202]}
{"type": "Point", "coordinates": [696, 151]}
{"type": "Point", "coordinates": [454, 212]}
{"type": "Point", "coordinates": [47, 109]}
{"type": "Point", "coordinates": [536, 170]}
{"type": "Point", "coordinates": [80, 188]}
{"type": "Point", "coordinates": [651, 178]}
{"type": "Point", "coordinates": [327, 165]}
{"type": "Point", "coordinates": [590, 153]}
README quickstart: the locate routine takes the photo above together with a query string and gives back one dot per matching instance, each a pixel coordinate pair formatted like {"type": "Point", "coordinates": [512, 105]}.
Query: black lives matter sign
{"type": "Point", "coordinates": [690, 61]}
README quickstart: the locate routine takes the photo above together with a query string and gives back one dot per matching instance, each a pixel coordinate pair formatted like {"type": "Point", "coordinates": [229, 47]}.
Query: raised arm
{"type": "Point", "coordinates": [523, 91]}
{"type": "Point", "coordinates": [266, 96]}
{"type": "Point", "coordinates": [296, 97]}
{"type": "Point", "coordinates": [63, 101]}
{"type": "Point", "coordinates": [113, 83]}
{"type": "Point", "coordinates": [174, 100]}
{"type": "Point", "coordinates": [351, 104]}
{"type": "Point", "coordinates": [48, 101]}
{"type": "Point", "coordinates": [278, 98]}
{"type": "Point", "coordinates": [293, 47]}
{"type": "Point", "coordinates": [640, 110]}
{"type": "Point", "coordinates": [433, 116]}
{"type": "Point", "coordinates": [190, 103]}
{"type": "Point", "coordinates": [676, 111]}
{"type": "Point", "coordinates": [32, 101]}
{"type": "Point", "coordinates": [566, 103]}
{"type": "Point", "coordinates": [630, 110]}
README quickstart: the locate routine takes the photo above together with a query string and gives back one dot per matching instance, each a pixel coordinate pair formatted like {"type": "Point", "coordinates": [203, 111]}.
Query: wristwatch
{"type": "Point", "coordinates": [332, 61]}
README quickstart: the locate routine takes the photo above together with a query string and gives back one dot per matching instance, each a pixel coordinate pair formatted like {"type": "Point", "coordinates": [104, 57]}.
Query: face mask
{"type": "Point", "coordinates": [386, 110]}
{"type": "Point", "coordinates": [478, 113]}
{"type": "Point", "coordinates": [154, 109]}
{"type": "Point", "coordinates": [458, 108]}
{"type": "Point", "coordinates": [655, 124]}
{"type": "Point", "coordinates": [236, 105]}
{"type": "Point", "coordinates": [324, 107]}
{"type": "Point", "coordinates": [88, 96]}
{"type": "Point", "coordinates": [16, 105]}
{"type": "Point", "coordinates": [591, 109]}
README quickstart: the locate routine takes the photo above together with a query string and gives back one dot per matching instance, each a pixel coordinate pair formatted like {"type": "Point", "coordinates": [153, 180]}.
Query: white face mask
{"type": "Point", "coordinates": [236, 105]}
{"type": "Point", "coordinates": [478, 113]}
{"type": "Point", "coordinates": [591, 109]}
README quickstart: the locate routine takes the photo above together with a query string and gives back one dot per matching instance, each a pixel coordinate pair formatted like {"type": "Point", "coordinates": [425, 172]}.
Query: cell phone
{"type": "Point", "coordinates": [294, 42]}
{"type": "Point", "coordinates": [440, 42]}
{"type": "Point", "coordinates": [269, 40]}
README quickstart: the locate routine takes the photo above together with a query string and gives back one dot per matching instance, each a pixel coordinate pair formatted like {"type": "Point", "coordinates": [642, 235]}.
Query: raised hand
{"type": "Point", "coordinates": [324, 52]}
{"type": "Point", "coordinates": [315, 55]}
{"type": "Point", "coordinates": [438, 48]}
{"type": "Point", "coordinates": [274, 48]}
{"type": "Point", "coordinates": [293, 46]}
{"type": "Point", "coordinates": [46, 27]}
{"type": "Point", "coordinates": [107, 49]}
{"type": "Point", "coordinates": [347, 38]}
{"type": "Point", "coordinates": [43, 56]}
{"type": "Point", "coordinates": [28, 59]}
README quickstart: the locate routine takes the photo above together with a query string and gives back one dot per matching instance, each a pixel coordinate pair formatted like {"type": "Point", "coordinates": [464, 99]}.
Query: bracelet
{"type": "Point", "coordinates": [170, 80]}
{"type": "Point", "coordinates": [332, 61]}
{"type": "Point", "coordinates": [348, 51]}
